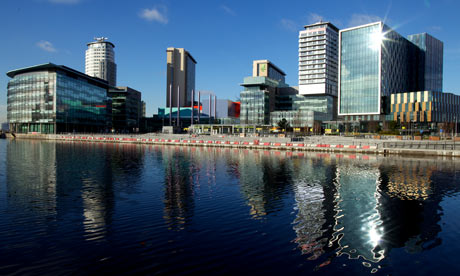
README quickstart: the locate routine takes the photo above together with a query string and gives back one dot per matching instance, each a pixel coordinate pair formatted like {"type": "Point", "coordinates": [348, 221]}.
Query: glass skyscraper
{"type": "Point", "coordinates": [430, 61]}
{"type": "Point", "coordinates": [375, 61]}
{"type": "Point", "coordinates": [51, 98]}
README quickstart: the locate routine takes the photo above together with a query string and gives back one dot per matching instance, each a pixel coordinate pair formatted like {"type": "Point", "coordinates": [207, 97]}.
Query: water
{"type": "Point", "coordinates": [95, 208]}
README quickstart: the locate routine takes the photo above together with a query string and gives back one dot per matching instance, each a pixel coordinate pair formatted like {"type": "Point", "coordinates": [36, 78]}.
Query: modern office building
{"type": "Point", "coordinates": [299, 118]}
{"type": "Point", "coordinates": [259, 94]}
{"type": "Point", "coordinates": [264, 68]}
{"type": "Point", "coordinates": [306, 110]}
{"type": "Point", "coordinates": [376, 62]}
{"type": "Point", "coordinates": [144, 109]}
{"type": "Point", "coordinates": [429, 60]}
{"type": "Point", "coordinates": [51, 98]}
{"type": "Point", "coordinates": [318, 59]}
{"type": "Point", "coordinates": [425, 107]}
{"type": "Point", "coordinates": [126, 109]}
{"type": "Point", "coordinates": [180, 80]}
{"type": "Point", "coordinates": [267, 99]}
{"type": "Point", "coordinates": [100, 60]}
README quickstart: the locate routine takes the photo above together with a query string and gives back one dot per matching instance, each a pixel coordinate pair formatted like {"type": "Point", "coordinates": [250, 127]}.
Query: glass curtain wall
{"type": "Point", "coordinates": [255, 107]}
{"type": "Point", "coordinates": [80, 106]}
{"type": "Point", "coordinates": [359, 71]}
{"type": "Point", "coordinates": [31, 102]}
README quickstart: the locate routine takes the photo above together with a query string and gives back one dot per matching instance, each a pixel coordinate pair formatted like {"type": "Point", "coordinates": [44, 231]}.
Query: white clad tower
{"type": "Point", "coordinates": [318, 59]}
{"type": "Point", "coordinates": [100, 60]}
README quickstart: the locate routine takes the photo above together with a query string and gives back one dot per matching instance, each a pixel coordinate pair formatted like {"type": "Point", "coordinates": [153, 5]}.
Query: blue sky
{"type": "Point", "coordinates": [223, 36]}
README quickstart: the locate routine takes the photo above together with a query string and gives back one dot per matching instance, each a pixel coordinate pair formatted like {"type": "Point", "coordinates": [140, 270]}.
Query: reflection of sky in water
{"type": "Point", "coordinates": [203, 209]}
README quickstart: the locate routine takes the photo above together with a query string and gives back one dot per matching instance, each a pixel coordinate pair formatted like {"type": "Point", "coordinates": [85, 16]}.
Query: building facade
{"type": "Point", "coordinates": [51, 98]}
{"type": "Point", "coordinates": [180, 79]}
{"type": "Point", "coordinates": [318, 59]}
{"type": "Point", "coordinates": [429, 60]}
{"type": "Point", "coordinates": [264, 68]}
{"type": "Point", "coordinates": [425, 106]}
{"type": "Point", "coordinates": [100, 60]}
{"type": "Point", "coordinates": [375, 61]}
{"type": "Point", "coordinates": [127, 108]}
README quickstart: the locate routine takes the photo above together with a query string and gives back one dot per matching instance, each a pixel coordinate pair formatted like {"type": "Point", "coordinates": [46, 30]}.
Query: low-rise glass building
{"type": "Point", "coordinates": [127, 108]}
{"type": "Point", "coordinates": [298, 118]}
{"type": "Point", "coordinates": [51, 98]}
{"type": "Point", "coordinates": [258, 100]}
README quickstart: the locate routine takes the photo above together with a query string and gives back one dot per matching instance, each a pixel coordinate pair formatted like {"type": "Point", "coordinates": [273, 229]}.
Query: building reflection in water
{"type": "Point", "coordinates": [363, 207]}
{"type": "Point", "coordinates": [70, 182]}
{"type": "Point", "coordinates": [314, 195]}
{"type": "Point", "coordinates": [264, 178]}
{"type": "Point", "coordinates": [121, 165]}
{"type": "Point", "coordinates": [181, 165]}
{"type": "Point", "coordinates": [31, 185]}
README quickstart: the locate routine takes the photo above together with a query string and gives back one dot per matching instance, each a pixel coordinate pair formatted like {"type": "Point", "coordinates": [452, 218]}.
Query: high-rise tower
{"type": "Point", "coordinates": [318, 59]}
{"type": "Point", "coordinates": [100, 60]}
{"type": "Point", "coordinates": [430, 61]}
{"type": "Point", "coordinates": [180, 75]}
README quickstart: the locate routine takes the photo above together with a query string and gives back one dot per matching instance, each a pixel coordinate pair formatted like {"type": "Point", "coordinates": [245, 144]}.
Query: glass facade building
{"type": "Point", "coordinates": [298, 118]}
{"type": "Point", "coordinates": [52, 98]}
{"type": "Point", "coordinates": [127, 108]}
{"type": "Point", "coordinates": [375, 61]}
{"type": "Point", "coordinates": [360, 53]}
{"type": "Point", "coordinates": [430, 61]}
{"type": "Point", "coordinates": [258, 100]}
{"type": "Point", "coordinates": [323, 104]}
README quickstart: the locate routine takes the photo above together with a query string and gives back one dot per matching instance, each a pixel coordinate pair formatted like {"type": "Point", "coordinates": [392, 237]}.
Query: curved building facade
{"type": "Point", "coordinates": [100, 60]}
{"type": "Point", "coordinates": [51, 98]}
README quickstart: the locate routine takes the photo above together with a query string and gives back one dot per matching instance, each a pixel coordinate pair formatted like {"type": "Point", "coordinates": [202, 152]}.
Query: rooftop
{"type": "Point", "coordinates": [52, 66]}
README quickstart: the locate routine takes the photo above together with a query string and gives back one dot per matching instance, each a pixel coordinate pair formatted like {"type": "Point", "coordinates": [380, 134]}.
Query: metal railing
{"type": "Point", "coordinates": [423, 145]}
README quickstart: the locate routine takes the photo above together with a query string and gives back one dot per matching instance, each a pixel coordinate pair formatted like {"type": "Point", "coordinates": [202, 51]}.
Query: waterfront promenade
{"type": "Point", "coordinates": [389, 146]}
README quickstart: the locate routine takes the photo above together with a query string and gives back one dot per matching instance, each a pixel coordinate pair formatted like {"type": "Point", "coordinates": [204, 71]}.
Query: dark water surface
{"type": "Point", "coordinates": [95, 208]}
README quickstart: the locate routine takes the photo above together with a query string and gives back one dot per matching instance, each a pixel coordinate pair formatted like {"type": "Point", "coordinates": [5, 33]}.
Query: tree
{"type": "Point", "coordinates": [283, 124]}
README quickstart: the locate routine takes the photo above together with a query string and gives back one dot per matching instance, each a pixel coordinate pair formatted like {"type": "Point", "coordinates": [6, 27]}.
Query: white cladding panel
{"type": "Point", "coordinates": [312, 89]}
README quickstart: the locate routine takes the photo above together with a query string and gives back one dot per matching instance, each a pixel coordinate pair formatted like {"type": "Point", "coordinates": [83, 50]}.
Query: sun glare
{"type": "Point", "coordinates": [376, 40]}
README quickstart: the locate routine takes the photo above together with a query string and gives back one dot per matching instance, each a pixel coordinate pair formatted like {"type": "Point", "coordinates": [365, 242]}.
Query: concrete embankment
{"type": "Point", "coordinates": [320, 144]}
